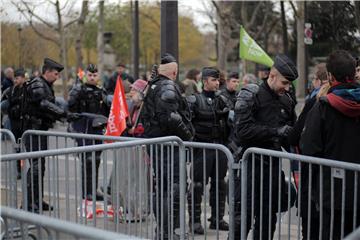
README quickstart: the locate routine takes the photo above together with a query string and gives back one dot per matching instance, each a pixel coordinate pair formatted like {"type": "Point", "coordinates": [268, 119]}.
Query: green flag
{"type": "Point", "coordinates": [251, 51]}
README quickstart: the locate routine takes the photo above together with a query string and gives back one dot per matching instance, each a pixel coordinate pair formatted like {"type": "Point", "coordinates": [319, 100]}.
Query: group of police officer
{"type": "Point", "coordinates": [263, 116]}
{"type": "Point", "coordinates": [31, 105]}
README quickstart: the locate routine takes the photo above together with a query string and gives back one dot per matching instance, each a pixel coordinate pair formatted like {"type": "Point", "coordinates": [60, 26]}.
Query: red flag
{"type": "Point", "coordinates": [119, 111]}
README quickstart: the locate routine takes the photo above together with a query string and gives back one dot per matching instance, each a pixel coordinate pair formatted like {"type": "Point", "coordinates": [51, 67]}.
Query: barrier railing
{"type": "Point", "coordinates": [50, 228]}
{"type": "Point", "coordinates": [265, 195]}
{"type": "Point", "coordinates": [10, 172]}
{"type": "Point", "coordinates": [8, 141]}
{"type": "Point", "coordinates": [220, 155]}
{"type": "Point", "coordinates": [157, 152]}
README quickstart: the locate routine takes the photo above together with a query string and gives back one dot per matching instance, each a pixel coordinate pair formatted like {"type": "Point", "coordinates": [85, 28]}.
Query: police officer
{"type": "Point", "coordinates": [12, 102]}
{"type": "Point", "coordinates": [228, 94]}
{"type": "Point", "coordinates": [165, 113]}
{"type": "Point", "coordinates": [40, 112]}
{"type": "Point", "coordinates": [210, 114]}
{"type": "Point", "coordinates": [88, 98]}
{"type": "Point", "coordinates": [263, 117]}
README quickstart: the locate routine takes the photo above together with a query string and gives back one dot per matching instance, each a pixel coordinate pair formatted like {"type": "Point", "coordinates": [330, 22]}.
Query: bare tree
{"type": "Point", "coordinates": [357, 13]}
{"type": "Point", "coordinates": [284, 28]}
{"type": "Point", "coordinates": [225, 23]}
{"type": "Point", "coordinates": [100, 38]}
{"type": "Point", "coordinates": [299, 13]}
{"type": "Point", "coordinates": [54, 32]}
{"type": "Point", "coordinates": [80, 34]}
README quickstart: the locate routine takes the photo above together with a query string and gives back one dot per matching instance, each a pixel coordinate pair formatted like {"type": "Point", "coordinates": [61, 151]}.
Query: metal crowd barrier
{"type": "Point", "coordinates": [354, 235]}
{"type": "Point", "coordinates": [9, 172]}
{"type": "Point", "coordinates": [195, 152]}
{"type": "Point", "coordinates": [49, 228]}
{"type": "Point", "coordinates": [127, 209]}
{"type": "Point", "coordinates": [268, 200]}
{"type": "Point", "coordinates": [8, 141]}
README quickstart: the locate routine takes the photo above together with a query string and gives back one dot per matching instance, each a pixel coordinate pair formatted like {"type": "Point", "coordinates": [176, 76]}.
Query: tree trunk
{"type": "Point", "coordinates": [300, 89]}
{"type": "Point", "coordinates": [135, 39]}
{"type": "Point", "coordinates": [63, 51]}
{"type": "Point", "coordinates": [100, 38]}
{"type": "Point", "coordinates": [284, 29]}
{"type": "Point", "coordinates": [222, 46]}
{"type": "Point", "coordinates": [80, 34]}
{"type": "Point", "coordinates": [357, 13]}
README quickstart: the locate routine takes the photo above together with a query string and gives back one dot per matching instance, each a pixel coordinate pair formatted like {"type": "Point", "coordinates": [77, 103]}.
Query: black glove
{"type": "Point", "coordinates": [72, 116]}
{"type": "Point", "coordinates": [284, 131]}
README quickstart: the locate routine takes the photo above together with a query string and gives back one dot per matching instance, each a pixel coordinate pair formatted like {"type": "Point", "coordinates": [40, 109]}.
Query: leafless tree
{"type": "Point", "coordinates": [80, 34]}
{"type": "Point", "coordinates": [54, 32]}
{"type": "Point", "coordinates": [100, 38]}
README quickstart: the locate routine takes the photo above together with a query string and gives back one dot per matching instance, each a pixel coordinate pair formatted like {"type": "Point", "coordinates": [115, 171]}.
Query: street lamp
{"type": "Point", "coordinates": [20, 52]}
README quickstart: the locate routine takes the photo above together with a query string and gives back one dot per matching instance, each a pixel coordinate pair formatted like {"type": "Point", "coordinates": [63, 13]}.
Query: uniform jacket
{"type": "Point", "coordinates": [39, 110]}
{"type": "Point", "coordinates": [258, 114]}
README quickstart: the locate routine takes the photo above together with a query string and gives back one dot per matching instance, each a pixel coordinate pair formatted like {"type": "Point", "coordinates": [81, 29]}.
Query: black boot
{"type": "Point", "coordinates": [195, 226]}
{"type": "Point", "coordinates": [223, 226]}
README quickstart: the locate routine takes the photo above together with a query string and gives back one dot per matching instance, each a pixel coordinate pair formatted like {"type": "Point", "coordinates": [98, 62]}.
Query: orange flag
{"type": "Point", "coordinates": [119, 111]}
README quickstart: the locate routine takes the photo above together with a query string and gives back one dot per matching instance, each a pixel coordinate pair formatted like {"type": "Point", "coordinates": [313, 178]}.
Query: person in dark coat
{"type": "Point", "coordinates": [89, 98]}
{"type": "Point", "coordinates": [320, 79]}
{"type": "Point", "coordinates": [11, 102]}
{"type": "Point", "coordinates": [8, 79]}
{"type": "Point", "coordinates": [110, 84]}
{"type": "Point", "coordinates": [263, 118]}
{"type": "Point", "coordinates": [40, 112]}
{"type": "Point", "coordinates": [332, 131]}
{"type": "Point", "coordinates": [166, 113]}
{"type": "Point", "coordinates": [210, 115]}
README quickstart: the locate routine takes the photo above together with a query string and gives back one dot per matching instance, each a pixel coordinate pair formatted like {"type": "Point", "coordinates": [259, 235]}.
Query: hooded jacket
{"type": "Point", "coordinates": [332, 131]}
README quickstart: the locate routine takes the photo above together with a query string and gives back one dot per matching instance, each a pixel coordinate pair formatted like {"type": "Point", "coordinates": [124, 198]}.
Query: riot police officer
{"type": "Point", "coordinates": [263, 118]}
{"type": "Point", "coordinates": [12, 102]}
{"type": "Point", "coordinates": [40, 112]}
{"type": "Point", "coordinates": [89, 98]}
{"type": "Point", "coordinates": [165, 113]}
{"type": "Point", "coordinates": [228, 94]}
{"type": "Point", "coordinates": [210, 115]}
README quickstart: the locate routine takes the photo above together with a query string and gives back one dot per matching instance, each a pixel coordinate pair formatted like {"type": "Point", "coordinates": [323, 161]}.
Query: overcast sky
{"type": "Point", "coordinates": [194, 8]}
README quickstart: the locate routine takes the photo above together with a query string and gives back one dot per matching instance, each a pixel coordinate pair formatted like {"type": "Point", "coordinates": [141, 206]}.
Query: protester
{"type": "Point", "coordinates": [357, 74]}
{"type": "Point", "coordinates": [263, 73]}
{"type": "Point", "coordinates": [11, 102]}
{"type": "Point", "coordinates": [135, 127]}
{"type": "Point", "coordinates": [332, 131]}
{"type": "Point", "coordinates": [248, 78]}
{"type": "Point", "coordinates": [8, 79]}
{"type": "Point", "coordinates": [190, 82]}
{"type": "Point", "coordinates": [110, 83]}
{"type": "Point", "coordinates": [320, 80]}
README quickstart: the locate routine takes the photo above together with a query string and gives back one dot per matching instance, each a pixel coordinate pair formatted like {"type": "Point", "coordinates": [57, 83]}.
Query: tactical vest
{"type": "Point", "coordinates": [15, 102]}
{"type": "Point", "coordinates": [151, 122]}
{"type": "Point", "coordinates": [209, 120]}
{"type": "Point", "coordinates": [91, 100]}
{"type": "Point", "coordinates": [33, 116]}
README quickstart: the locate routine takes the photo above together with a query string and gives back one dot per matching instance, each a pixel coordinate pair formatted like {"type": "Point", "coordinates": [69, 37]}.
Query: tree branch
{"type": "Point", "coordinates": [294, 9]}
{"type": "Point", "coordinates": [150, 18]}
{"type": "Point", "coordinates": [42, 35]}
{"type": "Point", "coordinates": [32, 13]}
{"type": "Point", "coordinates": [254, 15]}
{"type": "Point", "coordinates": [263, 23]}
